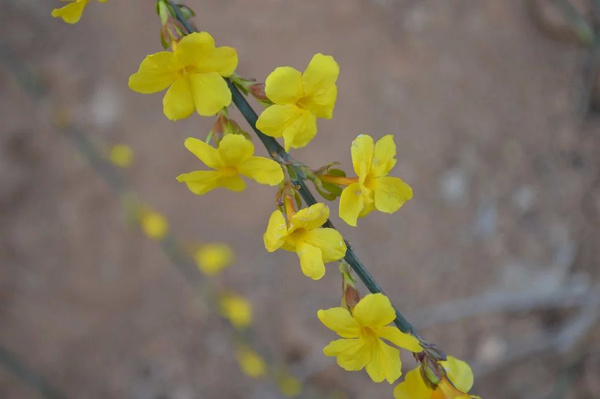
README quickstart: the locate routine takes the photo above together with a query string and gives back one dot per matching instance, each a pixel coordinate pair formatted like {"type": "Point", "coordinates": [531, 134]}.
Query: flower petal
{"type": "Point", "coordinates": [310, 218]}
{"type": "Point", "coordinates": [413, 387]}
{"type": "Point", "coordinates": [274, 237]}
{"type": "Point", "coordinates": [210, 92]}
{"type": "Point", "coordinates": [374, 310]}
{"type": "Point", "coordinates": [301, 131]}
{"type": "Point", "coordinates": [234, 149]}
{"type": "Point", "coordinates": [362, 154]}
{"type": "Point", "coordinates": [352, 354]}
{"type": "Point", "coordinates": [199, 182]}
{"type": "Point", "coordinates": [384, 157]}
{"type": "Point", "coordinates": [195, 49]}
{"type": "Point", "coordinates": [319, 85]}
{"type": "Point", "coordinates": [71, 13]}
{"type": "Point", "coordinates": [400, 339]}
{"type": "Point", "coordinates": [156, 73]}
{"type": "Point", "coordinates": [232, 183]}
{"type": "Point", "coordinates": [223, 61]}
{"type": "Point", "coordinates": [329, 241]}
{"type": "Point", "coordinates": [178, 102]}
{"type": "Point", "coordinates": [390, 193]}
{"type": "Point", "coordinates": [340, 320]}
{"type": "Point", "coordinates": [311, 260]}
{"type": "Point", "coordinates": [274, 120]}
{"type": "Point", "coordinates": [206, 153]}
{"type": "Point", "coordinates": [385, 363]}
{"type": "Point", "coordinates": [351, 204]}
{"type": "Point", "coordinates": [262, 170]}
{"type": "Point", "coordinates": [284, 85]}
{"type": "Point", "coordinates": [459, 372]}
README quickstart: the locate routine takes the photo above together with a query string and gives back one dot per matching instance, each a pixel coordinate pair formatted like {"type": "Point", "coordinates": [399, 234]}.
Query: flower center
{"type": "Point", "coordinates": [229, 171]}
{"type": "Point", "coordinates": [296, 236]}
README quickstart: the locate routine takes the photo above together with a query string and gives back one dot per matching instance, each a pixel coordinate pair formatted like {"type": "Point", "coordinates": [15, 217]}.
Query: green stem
{"type": "Point", "coordinates": [277, 151]}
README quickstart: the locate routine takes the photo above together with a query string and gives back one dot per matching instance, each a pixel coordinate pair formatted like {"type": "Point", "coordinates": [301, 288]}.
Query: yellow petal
{"type": "Point", "coordinates": [251, 363]}
{"type": "Point", "coordinates": [274, 237]}
{"type": "Point", "coordinates": [212, 258]}
{"type": "Point", "coordinates": [262, 170]}
{"type": "Point", "coordinates": [156, 73]}
{"type": "Point", "coordinates": [284, 85]}
{"type": "Point", "coordinates": [223, 61]}
{"type": "Point", "coordinates": [311, 260]}
{"type": "Point", "coordinates": [459, 372]}
{"type": "Point", "coordinates": [210, 92]}
{"type": "Point", "coordinates": [399, 338]}
{"type": "Point", "coordinates": [413, 387]}
{"type": "Point", "coordinates": [319, 85]}
{"type": "Point", "coordinates": [340, 320]}
{"type": "Point", "coordinates": [178, 102]}
{"type": "Point", "coordinates": [206, 153]}
{"type": "Point", "coordinates": [390, 193]}
{"type": "Point", "coordinates": [275, 119]}
{"type": "Point", "coordinates": [385, 363]}
{"type": "Point", "coordinates": [301, 131]}
{"type": "Point", "coordinates": [329, 241]}
{"type": "Point", "coordinates": [310, 218]}
{"type": "Point", "coordinates": [199, 182]}
{"type": "Point", "coordinates": [351, 204]}
{"type": "Point", "coordinates": [71, 13]}
{"type": "Point", "coordinates": [233, 183]}
{"type": "Point", "coordinates": [352, 354]}
{"type": "Point", "coordinates": [237, 310]}
{"type": "Point", "coordinates": [362, 154]}
{"type": "Point", "coordinates": [234, 149]}
{"type": "Point", "coordinates": [374, 310]}
{"type": "Point", "coordinates": [195, 49]}
{"type": "Point", "coordinates": [384, 157]}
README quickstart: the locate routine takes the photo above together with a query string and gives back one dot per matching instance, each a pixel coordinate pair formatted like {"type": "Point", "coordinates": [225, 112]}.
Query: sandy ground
{"type": "Point", "coordinates": [483, 107]}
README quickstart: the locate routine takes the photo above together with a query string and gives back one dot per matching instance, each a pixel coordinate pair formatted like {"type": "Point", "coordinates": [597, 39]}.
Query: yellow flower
{"type": "Point", "coordinates": [250, 362]}
{"type": "Point", "coordinates": [290, 386]}
{"type": "Point", "coordinates": [373, 189]}
{"type": "Point", "coordinates": [459, 372]}
{"type": "Point", "coordinates": [154, 225]}
{"type": "Point", "coordinates": [233, 158]}
{"type": "Point", "coordinates": [121, 155]}
{"type": "Point", "coordinates": [299, 99]}
{"type": "Point", "coordinates": [314, 244]}
{"type": "Point", "coordinates": [71, 13]}
{"type": "Point", "coordinates": [237, 310]}
{"type": "Point", "coordinates": [212, 258]}
{"type": "Point", "coordinates": [362, 333]}
{"type": "Point", "coordinates": [193, 72]}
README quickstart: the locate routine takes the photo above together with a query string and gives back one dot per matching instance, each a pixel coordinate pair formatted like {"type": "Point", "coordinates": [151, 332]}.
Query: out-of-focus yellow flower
{"type": "Point", "coordinates": [121, 155]}
{"type": "Point", "coordinates": [233, 158]}
{"type": "Point", "coordinates": [154, 224]}
{"type": "Point", "coordinates": [372, 189]}
{"type": "Point", "coordinates": [193, 72]}
{"type": "Point", "coordinates": [362, 332]}
{"type": "Point", "coordinates": [71, 13]}
{"type": "Point", "coordinates": [250, 362]}
{"type": "Point", "coordinates": [290, 386]}
{"type": "Point", "coordinates": [212, 258]}
{"type": "Point", "coordinates": [315, 245]}
{"type": "Point", "coordinates": [457, 371]}
{"type": "Point", "coordinates": [299, 99]}
{"type": "Point", "coordinates": [237, 310]}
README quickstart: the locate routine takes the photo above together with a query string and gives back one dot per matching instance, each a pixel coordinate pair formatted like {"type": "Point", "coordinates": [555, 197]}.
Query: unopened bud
{"type": "Point", "coordinates": [258, 91]}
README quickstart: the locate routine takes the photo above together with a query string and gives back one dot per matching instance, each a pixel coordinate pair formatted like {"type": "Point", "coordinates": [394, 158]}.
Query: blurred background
{"type": "Point", "coordinates": [495, 259]}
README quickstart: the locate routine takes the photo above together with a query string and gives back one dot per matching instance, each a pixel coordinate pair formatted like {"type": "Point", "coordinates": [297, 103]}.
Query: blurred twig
{"type": "Point", "coordinates": [28, 376]}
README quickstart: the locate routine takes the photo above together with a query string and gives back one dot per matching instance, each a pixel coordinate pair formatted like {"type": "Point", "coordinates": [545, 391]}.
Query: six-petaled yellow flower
{"type": "Point", "coordinates": [372, 189]}
{"type": "Point", "coordinates": [193, 72]}
{"type": "Point", "coordinates": [457, 371]}
{"type": "Point", "coordinates": [315, 245]}
{"type": "Point", "coordinates": [233, 158]}
{"type": "Point", "coordinates": [71, 13]}
{"type": "Point", "coordinates": [362, 332]}
{"type": "Point", "coordinates": [299, 99]}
